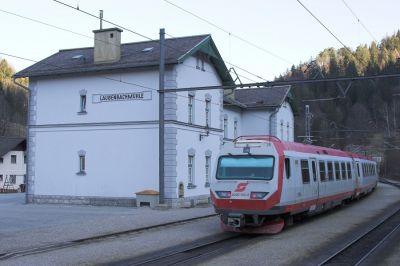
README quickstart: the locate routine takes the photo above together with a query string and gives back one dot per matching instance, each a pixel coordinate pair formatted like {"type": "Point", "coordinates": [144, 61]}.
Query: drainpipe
{"type": "Point", "coordinates": [27, 185]}
{"type": "Point", "coordinates": [270, 119]}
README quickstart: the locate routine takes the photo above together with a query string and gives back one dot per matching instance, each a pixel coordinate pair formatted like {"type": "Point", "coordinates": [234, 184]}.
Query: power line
{"type": "Point", "coordinates": [112, 23]}
{"type": "Point", "coordinates": [137, 33]}
{"type": "Point", "coordinates": [358, 19]}
{"type": "Point", "coordinates": [230, 33]}
{"type": "Point", "coordinates": [322, 24]}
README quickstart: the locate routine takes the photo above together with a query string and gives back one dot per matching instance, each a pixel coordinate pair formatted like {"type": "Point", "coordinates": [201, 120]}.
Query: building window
{"type": "Point", "coordinates": [208, 170]}
{"type": "Point", "coordinates": [287, 131]}
{"type": "Point", "coordinates": [305, 171]}
{"type": "Point", "coordinates": [200, 61]}
{"type": "Point", "coordinates": [1, 160]}
{"type": "Point", "coordinates": [13, 179]}
{"type": "Point", "coordinates": [281, 129]}
{"type": "Point", "coordinates": [235, 129]}
{"type": "Point", "coordinates": [13, 159]}
{"type": "Point", "coordinates": [1, 178]}
{"type": "Point", "coordinates": [190, 109]}
{"type": "Point", "coordinates": [225, 127]}
{"type": "Point", "coordinates": [82, 102]}
{"type": "Point", "coordinates": [82, 162]}
{"type": "Point", "coordinates": [191, 180]}
{"type": "Point", "coordinates": [24, 158]}
{"type": "Point", "coordinates": [208, 113]}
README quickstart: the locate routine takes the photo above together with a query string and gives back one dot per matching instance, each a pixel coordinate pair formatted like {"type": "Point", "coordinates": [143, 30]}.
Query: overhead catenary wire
{"type": "Point", "coordinates": [359, 21]}
{"type": "Point", "coordinates": [139, 34]}
{"type": "Point", "coordinates": [229, 32]}
{"type": "Point", "coordinates": [323, 25]}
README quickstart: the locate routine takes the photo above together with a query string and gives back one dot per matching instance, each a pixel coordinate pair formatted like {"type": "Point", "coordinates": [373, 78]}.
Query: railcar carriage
{"type": "Point", "coordinates": [261, 182]}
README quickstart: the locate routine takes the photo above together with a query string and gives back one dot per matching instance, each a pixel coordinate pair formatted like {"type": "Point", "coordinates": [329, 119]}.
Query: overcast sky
{"type": "Point", "coordinates": [282, 27]}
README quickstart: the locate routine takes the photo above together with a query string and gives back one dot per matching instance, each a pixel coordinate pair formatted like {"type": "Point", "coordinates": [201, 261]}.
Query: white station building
{"type": "Point", "coordinates": [12, 163]}
{"type": "Point", "coordinates": [94, 120]}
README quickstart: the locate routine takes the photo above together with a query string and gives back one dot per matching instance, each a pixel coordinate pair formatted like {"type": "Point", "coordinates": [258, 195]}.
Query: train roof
{"type": "Point", "coordinates": [300, 147]}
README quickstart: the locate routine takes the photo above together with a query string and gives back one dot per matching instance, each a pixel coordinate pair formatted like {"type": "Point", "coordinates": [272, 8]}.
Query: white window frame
{"type": "Point", "coordinates": [13, 159]}
{"type": "Point", "coordinates": [82, 102]}
{"type": "Point", "coordinates": [12, 179]}
{"type": "Point", "coordinates": [235, 129]}
{"type": "Point", "coordinates": [288, 132]}
{"type": "Point", "coordinates": [208, 170]}
{"type": "Point", "coordinates": [191, 109]}
{"type": "Point", "coordinates": [82, 162]}
{"type": "Point", "coordinates": [225, 127]}
{"type": "Point", "coordinates": [208, 113]}
{"type": "Point", "coordinates": [191, 177]}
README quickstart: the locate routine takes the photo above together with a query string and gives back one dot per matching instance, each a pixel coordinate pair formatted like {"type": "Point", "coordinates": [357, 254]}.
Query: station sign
{"type": "Point", "coordinates": [130, 96]}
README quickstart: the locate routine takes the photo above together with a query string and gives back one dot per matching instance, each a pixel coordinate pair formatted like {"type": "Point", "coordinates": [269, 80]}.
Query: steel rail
{"type": "Point", "coordinates": [359, 238]}
{"type": "Point", "coordinates": [377, 245]}
{"type": "Point", "coordinates": [161, 259]}
{"type": "Point", "coordinates": [82, 241]}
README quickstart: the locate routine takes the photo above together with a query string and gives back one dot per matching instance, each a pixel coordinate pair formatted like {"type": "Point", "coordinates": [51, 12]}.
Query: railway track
{"type": "Point", "coordinates": [192, 253]}
{"type": "Point", "coordinates": [362, 247]}
{"type": "Point", "coordinates": [88, 240]}
{"type": "Point", "coordinates": [385, 181]}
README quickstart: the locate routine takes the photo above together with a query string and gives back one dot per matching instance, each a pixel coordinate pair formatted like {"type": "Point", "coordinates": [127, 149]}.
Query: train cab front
{"type": "Point", "coordinates": [245, 187]}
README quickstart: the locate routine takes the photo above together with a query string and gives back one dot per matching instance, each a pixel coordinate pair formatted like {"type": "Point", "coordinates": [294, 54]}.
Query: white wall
{"type": "Point", "coordinates": [192, 77]}
{"type": "Point", "coordinates": [190, 140]}
{"type": "Point", "coordinates": [58, 100]}
{"type": "Point", "coordinates": [18, 169]}
{"type": "Point", "coordinates": [231, 114]}
{"type": "Point", "coordinates": [119, 161]}
{"type": "Point", "coordinates": [284, 117]}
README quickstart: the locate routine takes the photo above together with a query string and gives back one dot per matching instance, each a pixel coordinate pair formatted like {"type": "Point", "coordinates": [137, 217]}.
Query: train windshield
{"type": "Point", "coordinates": [245, 167]}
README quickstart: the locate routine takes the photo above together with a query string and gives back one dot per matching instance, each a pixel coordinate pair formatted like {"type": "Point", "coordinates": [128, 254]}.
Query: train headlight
{"type": "Point", "coordinates": [258, 195]}
{"type": "Point", "coordinates": [223, 194]}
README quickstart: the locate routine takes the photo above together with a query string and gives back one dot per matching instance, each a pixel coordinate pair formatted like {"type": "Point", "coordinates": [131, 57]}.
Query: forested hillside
{"type": "Point", "coordinates": [366, 118]}
{"type": "Point", "coordinates": [13, 103]}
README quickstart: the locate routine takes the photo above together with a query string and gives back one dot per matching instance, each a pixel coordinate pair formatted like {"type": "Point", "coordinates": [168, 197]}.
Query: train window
{"type": "Point", "coordinates": [305, 171]}
{"type": "Point", "coordinates": [314, 170]}
{"type": "Point", "coordinates": [330, 171]}
{"type": "Point", "coordinates": [358, 169]}
{"type": "Point", "coordinates": [363, 169]}
{"type": "Point", "coordinates": [287, 167]}
{"type": "Point", "coordinates": [255, 167]}
{"type": "Point", "coordinates": [322, 171]}
{"type": "Point", "coordinates": [344, 172]}
{"type": "Point", "coordinates": [337, 170]}
{"type": "Point", "coordinates": [348, 170]}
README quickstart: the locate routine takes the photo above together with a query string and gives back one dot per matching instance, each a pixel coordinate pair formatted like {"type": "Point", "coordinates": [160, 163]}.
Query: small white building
{"type": "Point", "coordinates": [12, 162]}
{"type": "Point", "coordinates": [93, 120]}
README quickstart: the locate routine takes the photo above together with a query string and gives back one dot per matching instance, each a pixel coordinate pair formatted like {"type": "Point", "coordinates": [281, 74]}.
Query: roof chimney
{"type": "Point", "coordinates": [107, 45]}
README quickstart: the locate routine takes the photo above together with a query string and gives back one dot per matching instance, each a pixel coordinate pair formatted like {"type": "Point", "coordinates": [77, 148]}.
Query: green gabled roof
{"type": "Point", "coordinates": [208, 47]}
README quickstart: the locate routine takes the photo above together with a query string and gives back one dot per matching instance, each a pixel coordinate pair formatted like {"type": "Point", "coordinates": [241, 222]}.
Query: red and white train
{"type": "Point", "coordinates": [261, 182]}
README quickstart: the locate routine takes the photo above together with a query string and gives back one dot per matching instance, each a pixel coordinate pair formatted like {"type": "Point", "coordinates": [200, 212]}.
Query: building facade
{"type": "Point", "coordinates": [93, 121]}
{"type": "Point", "coordinates": [12, 163]}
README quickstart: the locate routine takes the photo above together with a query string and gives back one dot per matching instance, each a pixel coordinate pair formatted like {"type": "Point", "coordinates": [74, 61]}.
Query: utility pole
{"type": "Point", "coordinates": [308, 117]}
{"type": "Point", "coordinates": [161, 119]}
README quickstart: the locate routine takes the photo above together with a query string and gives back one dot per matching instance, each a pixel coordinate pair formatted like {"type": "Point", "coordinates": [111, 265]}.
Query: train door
{"type": "Point", "coordinates": [314, 178]}
{"type": "Point", "coordinates": [358, 174]}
